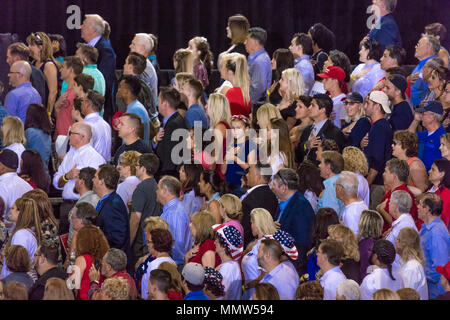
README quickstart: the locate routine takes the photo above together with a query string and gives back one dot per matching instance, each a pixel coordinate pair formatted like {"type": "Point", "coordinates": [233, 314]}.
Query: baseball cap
{"type": "Point", "coordinates": [444, 270]}
{"type": "Point", "coordinates": [400, 82]}
{"type": "Point", "coordinates": [9, 159]}
{"type": "Point", "coordinates": [333, 72]}
{"type": "Point", "coordinates": [381, 98]}
{"type": "Point", "coordinates": [194, 273]}
{"type": "Point", "coordinates": [354, 96]}
{"type": "Point", "coordinates": [433, 106]}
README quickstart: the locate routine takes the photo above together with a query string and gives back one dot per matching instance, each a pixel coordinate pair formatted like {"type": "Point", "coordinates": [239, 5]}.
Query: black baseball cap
{"type": "Point", "coordinates": [433, 106]}
{"type": "Point", "coordinates": [9, 159]}
{"type": "Point", "coordinates": [400, 82]}
{"type": "Point", "coordinates": [354, 96]}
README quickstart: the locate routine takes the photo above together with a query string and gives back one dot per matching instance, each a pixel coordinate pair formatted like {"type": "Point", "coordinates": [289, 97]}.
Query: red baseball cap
{"type": "Point", "coordinates": [444, 270]}
{"type": "Point", "coordinates": [115, 120]}
{"type": "Point", "coordinates": [333, 72]}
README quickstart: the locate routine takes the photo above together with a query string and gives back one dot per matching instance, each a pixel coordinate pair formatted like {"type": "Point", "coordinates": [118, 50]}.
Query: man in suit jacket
{"type": "Point", "coordinates": [92, 31]}
{"type": "Point", "coordinates": [386, 32]}
{"type": "Point", "coordinates": [163, 144]}
{"type": "Point", "coordinates": [112, 212]}
{"type": "Point", "coordinates": [322, 128]}
{"type": "Point", "coordinates": [296, 215]}
{"type": "Point", "coordinates": [258, 196]}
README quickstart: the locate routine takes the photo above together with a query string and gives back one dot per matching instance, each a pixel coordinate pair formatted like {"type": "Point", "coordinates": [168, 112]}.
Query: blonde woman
{"type": "Point", "coordinates": [411, 262]}
{"type": "Point", "coordinates": [239, 95]}
{"type": "Point", "coordinates": [356, 124]}
{"type": "Point", "coordinates": [291, 88]}
{"type": "Point", "coordinates": [385, 294]}
{"type": "Point", "coordinates": [13, 136]}
{"type": "Point", "coordinates": [127, 164]}
{"type": "Point", "coordinates": [283, 157]}
{"type": "Point", "coordinates": [183, 61]}
{"type": "Point", "coordinates": [266, 113]}
{"type": "Point", "coordinates": [445, 146]}
{"type": "Point", "coordinates": [56, 289]}
{"type": "Point", "coordinates": [237, 30]}
{"type": "Point", "coordinates": [231, 211]}
{"type": "Point", "coordinates": [370, 226]}
{"type": "Point", "coordinates": [226, 85]}
{"type": "Point", "coordinates": [355, 161]}
{"type": "Point", "coordinates": [176, 289]}
{"type": "Point", "coordinates": [350, 264]}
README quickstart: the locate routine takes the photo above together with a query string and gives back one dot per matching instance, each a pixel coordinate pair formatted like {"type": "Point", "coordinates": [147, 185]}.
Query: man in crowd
{"type": "Point", "coordinates": [258, 64]}
{"type": "Point", "coordinates": [333, 78]}
{"type": "Point", "coordinates": [193, 90]}
{"type": "Point", "coordinates": [331, 165]}
{"type": "Point", "coordinates": [301, 49]}
{"type": "Point", "coordinates": [89, 55]}
{"type": "Point", "coordinates": [83, 214]}
{"type": "Point", "coordinates": [193, 276]}
{"type": "Point", "coordinates": [23, 94]}
{"type": "Point", "coordinates": [385, 30]}
{"type": "Point", "coordinates": [329, 257]}
{"type": "Point", "coordinates": [401, 117]}
{"type": "Point", "coordinates": [159, 283]}
{"type": "Point", "coordinates": [393, 57]}
{"type": "Point", "coordinates": [399, 206]}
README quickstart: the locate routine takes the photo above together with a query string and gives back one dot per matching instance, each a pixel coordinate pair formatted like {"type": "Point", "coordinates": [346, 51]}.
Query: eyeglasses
{"type": "Point", "coordinates": [282, 179]}
{"type": "Point", "coordinates": [12, 72]}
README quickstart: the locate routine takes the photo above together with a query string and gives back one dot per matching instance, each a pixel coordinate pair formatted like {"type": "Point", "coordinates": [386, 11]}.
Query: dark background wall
{"type": "Point", "coordinates": [176, 21]}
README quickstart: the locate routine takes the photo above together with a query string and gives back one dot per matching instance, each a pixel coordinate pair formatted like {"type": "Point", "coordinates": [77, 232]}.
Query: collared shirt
{"type": "Point", "coordinates": [285, 279]}
{"type": "Point", "coordinates": [352, 213]}
{"type": "Point", "coordinates": [167, 118]}
{"type": "Point", "coordinates": [99, 204]}
{"type": "Point", "coordinates": [178, 219]}
{"type": "Point", "coordinates": [94, 41]}
{"type": "Point", "coordinates": [191, 203]}
{"type": "Point", "coordinates": [137, 108]}
{"type": "Point", "coordinates": [303, 64]}
{"type": "Point", "coordinates": [413, 276]}
{"type": "Point", "coordinates": [99, 79]}
{"type": "Point", "coordinates": [83, 157]}
{"type": "Point", "coordinates": [339, 109]}
{"type": "Point", "coordinates": [250, 190]}
{"type": "Point", "coordinates": [329, 199]}
{"type": "Point", "coordinates": [435, 242]}
{"type": "Point", "coordinates": [101, 134]}
{"type": "Point", "coordinates": [260, 74]}
{"type": "Point", "coordinates": [10, 195]}
{"type": "Point", "coordinates": [318, 126]}
{"type": "Point", "coordinates": [283, 205]}
{"type": "Point", "coordinates": [404, 221]}
{"type": "Point", "coordinates": [126, 188]}
{"type": "Point", "coordinates": [379, 279]}
{"type": "Point", "coordinates": [330, 281]}
{"type": "Point", "coordinates": [429, 146]}
{"type": "Point", "coordinates": [151, 80]}
{"type": "Point", "coordinates": [18, 100]}
{"type": "Point", "coordinates": [420, 88]}
{"type": "Point", "coordinates": [364, 84]}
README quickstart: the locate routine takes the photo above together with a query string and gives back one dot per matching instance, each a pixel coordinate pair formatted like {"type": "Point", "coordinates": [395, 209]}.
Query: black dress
{"type": "Point", "coordinates": [240, 48]}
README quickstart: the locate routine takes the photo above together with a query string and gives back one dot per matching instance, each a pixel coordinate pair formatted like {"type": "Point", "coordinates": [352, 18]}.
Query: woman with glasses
{"type": "Point", "coordinates": [356, 125]}
{"type": "Point", "coordinates": [128, 162]}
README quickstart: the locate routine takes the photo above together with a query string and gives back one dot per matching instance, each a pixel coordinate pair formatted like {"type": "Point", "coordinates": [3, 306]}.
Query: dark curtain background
{"type": "Point", "coordinates": [177, 21]}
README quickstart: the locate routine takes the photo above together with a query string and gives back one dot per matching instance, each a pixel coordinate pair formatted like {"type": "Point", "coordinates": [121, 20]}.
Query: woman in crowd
{"type": "Point", "coordinates": [59, 48]}
{"type": "Point", "coordinates": [239, 94]}
{"type": "Point", "coordinates": [19, 264]}
{"type": "Point", "coordinates": [439, 176]}
{"type": "Point", "coordinates": [411, 269]}
{"type": "Point", "coordinates": [183, 61]}
{"type": "Point", "coordinates": [159, 243]}
{"type": "Point", "coordinates": [116, 288]}
{"type": "Point", "coordinates": [437, 82]}
{"type": "Point", "coordinates": [265, 291]}
{"type": "Point", "coordinates": [445, 146]}
{"type": "Point", "coordinates": [339, 59]}
{"type": "Point", "coordinates": [355, 161]}
{"type": "Point", "coordinates": [32, 170]}
{"type": "Point", "coordinates": [356, 125]}
{"type": "Point", "coordinates": [237, 30]}
{"type": "Point", "coordinates": [282, 59]}
{"type": "Point", "coordinates": [231, 211]}
{"type": "Point", "coordinates": [176, 289]}
{"type": "Point", "coordinates": [226, 84]}
{"type": "Point", "coordinates": [212, 187]}
{"type": "Point", "coordinates": [42, 52]}
{"type": "Point", "coordinates": [291, 88]}
{"type": "Point", "coordinates": [310, 183]}
{"type": "Point", "coordinates": [369, 72]}
{"type": "Point", "coordinates": [37, 132]}
{"type": "Point", "coordinates": [324, 218]}
{"type": "Point", "coordinates": [15, 291]}
{"type": "Point", "coordinates": [405, 146]}
{"type": "Point", "coordinates": [229, 246]}
{"type": "Point", "coordinates": [126, 166]}
{"type": "Point", "coordinates": [91, 247]}
{"type": "Point", "coordinates": [190, 191]}
{"type": "Point", "coordinates": [13, 136]}
{"type": "Point", "coordinates": [56, 289]}
{"type": "Point", "coordinates": [204, 249]}
{"type": "Point", "coordinates": [27, 230]}
{"type": "Point", "coordinates": [370, 226]}
{"type": "Point", "coordinates": [197, 148]}
{"type": "Point", "coordinates": [350, 264]}
{"type": "Point", "coordinates": [302, 115]}
{"type": "Point", "coordinates": [284, 156]}
{"type": "Point", "coordinates": [385, 294]}
{"type": "Point", "coordinates": [311, 290]}
{"type": "Point", "coordinates": [202, 59]}
{"type": "Point", "coordinates": [265, 114]}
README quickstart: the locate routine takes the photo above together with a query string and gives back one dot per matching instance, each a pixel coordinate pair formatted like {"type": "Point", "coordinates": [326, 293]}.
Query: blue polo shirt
{"type": "Point", "coordinates": [196, 113]}
{"type": "Point", "coordinates": [420, 88]}
{"type": "Point", "coordinates": [429, 146]}
{"type": "Point", "coordinates": [196, 295]}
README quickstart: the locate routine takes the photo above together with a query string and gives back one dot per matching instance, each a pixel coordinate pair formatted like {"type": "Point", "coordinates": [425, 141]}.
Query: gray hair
{"type": "Point", "coordinates": [349, 289]}
{"type": "Point", "coordinates": [434, 42]}
{"type": "Point", "coordinates": [287, 177]}
{"type": "Point", "coordinates": [349, 182]}
{"type": "Point", "coordinates": [265, 170]}
{"type": "Point", "coordinates": [259, 34]}
{"type": "Point", "coordinates": [146, 41]}
{"type": "Point", "coordinates": [403, 200]}
{"type": "Point", "coordinates": [390, 5]}
{"type": "Point", "coordinates": [117, 259]}
{"type": "Point", "coordinates": [438, 117]}
{"type": "Point", "coordinates": [172, 185]}
{"type": "Point", "coordinates": [86, 129]}
{"type": "Point", "coordinates": [97, 22]}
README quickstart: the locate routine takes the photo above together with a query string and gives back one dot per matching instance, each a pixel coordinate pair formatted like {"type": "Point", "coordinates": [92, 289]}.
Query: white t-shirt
{"type": "Point", "coordinates": [26, 239]}
{"type": "Point", "coordinates": [232, 280]}
{"type": "Point", "coordinates": [126, 188]}
{"type": "Point", "coordinates": [339, 109]}
{"type": "Point", "coordinates": [352, 213]}
{"type": "Point", "coordinates": [413, 276]}
{"type": "Point", "coordinates": [330, 281]}
{"type": "Point", "coordinates": [379, 279]}
{"type": "Point", "coordinates": [150, 267]}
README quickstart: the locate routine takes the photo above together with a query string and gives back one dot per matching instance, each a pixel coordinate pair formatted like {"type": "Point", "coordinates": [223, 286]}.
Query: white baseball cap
{"type": "Point", "coordinates": [381, 98]}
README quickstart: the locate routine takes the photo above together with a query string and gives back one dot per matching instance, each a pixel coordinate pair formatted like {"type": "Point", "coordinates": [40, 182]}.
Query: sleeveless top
{"type": "Point", "coordinates": [410, 161]}
{"type": "Point", "coordinates": [85, 281]}
{"type": "Point", "coordinates": [224, 149]}
{"type": "Point", "coordinates": [58, 79]}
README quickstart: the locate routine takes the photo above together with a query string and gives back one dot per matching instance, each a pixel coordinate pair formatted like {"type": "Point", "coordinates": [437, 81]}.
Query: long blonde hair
{"type": "Point", "coordinates": [238, 65]}
{"type": "Point", "coordinates": [218, 109]}
{"type": "Point", "coordinates": [295, 84]}
{"type": "Point", "coordinates": [410, 248]}
{"type": "Point", "coordinates": [347, 238]}
{"type": "Point", "coordinates": [185, 61]}
{"type": "Point", "coordinates": [13, 131]}
{"type": "Point", "coordinates": [263, 221]}
{"type": "Point", "coordinates": [266, 113]}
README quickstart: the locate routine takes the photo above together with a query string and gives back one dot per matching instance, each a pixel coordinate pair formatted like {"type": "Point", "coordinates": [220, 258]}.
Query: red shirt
{"type": "Point", "coordinates": [444, 193]}
{"type": "Point", "coordinates": [123, 274]}
{"type": "Point", "coordinates": [174, 295]}
{"type": "Point", "coordinates": [412, 212]}
{"type": "Point", "coordinates": [204, 247]}
{"type": "Point", "coordinates": [237, 104]}
{"type": "Point", "coordinates": [64, 118]}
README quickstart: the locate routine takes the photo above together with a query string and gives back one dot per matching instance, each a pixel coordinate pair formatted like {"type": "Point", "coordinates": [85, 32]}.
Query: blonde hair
{"type": "Point", "coordinates": [232, 206]}
{"type": "Point", "coordinates": [238, 65]}
{"type": "Point", "coordinates": [185, 61]}
{"type": "Point", "coordinates": [176, 277]}
{"type": "Point", "coordinates": [41, 39]}
{"type": "Point", "coordinates": [182, 77]}
{"type": "Point", "coordinates": [56, 289]}
{"type": "Point", "coordinates": [370, 224]}
{"type": "Point", "coordinates": [13, 131]}
{"type": "Point", "coordinates": [116, 288]}
{"type": "Point", "coordinates": [345, 236]}
{"type": "Point", "coordinates": [445, 139]}
{"type": "Point", "coordinates": [385, 294]}
{"type": "Point", "coordinates": [130, 159]}
{"type": "Point", "coordinates": [218, 109]}
{"type": "Point", "coordinates": [266, 113]}
{"type": "Point", "coordinates": [355, 160]}
{"type": "Point", "coordinates": [295, 84]}
{"type": "Point", "coordinates": [152, 223]}
{"type": "Point", "coordinates": [224, 59]}
{"type": "Point", "coordinates": [263, 221]}
{"type": "Point", "coordinates": [28, 219]}
{"type": "Point", "coordinates": [203, 222]}
{"type": "Point", "coordinates": [408, 294]}
{"type": "Point", "coordinates": [410, 248]}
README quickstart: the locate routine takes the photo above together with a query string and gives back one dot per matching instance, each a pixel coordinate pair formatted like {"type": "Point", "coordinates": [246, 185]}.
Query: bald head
{"type": "Point", "coordinates": [142, 44]}
{"type": "Point", "coordinates": [81, 134]}
{"type": "Point", "coordinates": [23, 67]}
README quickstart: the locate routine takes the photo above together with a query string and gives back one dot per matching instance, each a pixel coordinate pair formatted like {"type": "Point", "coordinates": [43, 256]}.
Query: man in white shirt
{"type": "Point", "coordinates": [101, 130]}
{"type": "Point", "coordinates": [399, 208]}
{"type": "Point", "coordinates": [80, 155]}
{"type": "Point", "coordinates": [329, 257]}
{"type": "Point", "coordinates": [281, 276]}
{"type": "Point", "coordinates": [347, 192]}
{"type": "Point", "coordinates": [12, 186]}
{"type": "Point", "coordinates": [333, 78]}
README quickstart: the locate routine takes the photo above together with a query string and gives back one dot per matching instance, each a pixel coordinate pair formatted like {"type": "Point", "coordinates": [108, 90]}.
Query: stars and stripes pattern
{"type": "Point", "coordinates": [233, 239]}
{"type": "Point", "coordinates": [287, 243]}
{"type": "Point", "coordinates": [214, 278]}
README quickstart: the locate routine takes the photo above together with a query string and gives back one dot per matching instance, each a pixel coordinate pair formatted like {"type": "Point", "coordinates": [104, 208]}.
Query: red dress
{"type": "Point", "coordinates": [85, 281]}
{"type": "Point", "coordinates": [237, 104]}
{"type": "Point", "coordinates": [204, 247]}
{"type": "Point", "coordinates": [444, 193]}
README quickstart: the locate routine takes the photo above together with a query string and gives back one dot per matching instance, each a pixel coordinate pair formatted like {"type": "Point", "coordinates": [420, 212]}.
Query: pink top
{"type": "Point", "coordinates": [203, 158]}
{"type": "Point", "coordinates": [235, 224]}
{"type": "Point", "coordinates": [64, 118]}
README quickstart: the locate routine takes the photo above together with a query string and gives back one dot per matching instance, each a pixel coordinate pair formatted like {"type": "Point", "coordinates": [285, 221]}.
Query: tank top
{"type": "Point", "coordinates": [410, 161]}
{"type": "Point", "coordinates": [85, 281]}
{"type": "Point", "coordinates": [58, 79]}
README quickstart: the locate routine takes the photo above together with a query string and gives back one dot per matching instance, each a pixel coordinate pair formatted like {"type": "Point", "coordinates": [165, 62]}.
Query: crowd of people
{"type": "Point", "coordinates": [297, 177]}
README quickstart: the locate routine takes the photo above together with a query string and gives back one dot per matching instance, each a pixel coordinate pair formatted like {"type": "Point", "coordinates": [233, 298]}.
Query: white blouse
{"type": "Point", "coordinates": [379, 279]}
{"type": "Point", "coordinates": [413, 276]}
{"type": "Point", "coordinates": [26, 239]}
{"type": "Point", "coordinates": [232, 280]}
